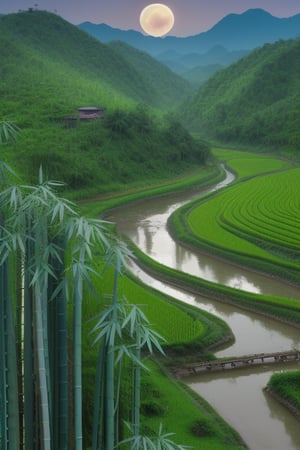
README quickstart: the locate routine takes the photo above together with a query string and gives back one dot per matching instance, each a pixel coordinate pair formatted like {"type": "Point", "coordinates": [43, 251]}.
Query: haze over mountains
{"type": "Point", "coordinates": [232, 37]}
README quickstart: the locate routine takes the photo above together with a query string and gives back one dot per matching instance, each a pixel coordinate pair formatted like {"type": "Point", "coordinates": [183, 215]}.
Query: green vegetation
{"type": "Point", "coordinates": [247, 165]}
{"type": "Point", "coordinates": [130, 147]}
{"type": "Point", "coordinates": [155, 75]}
{"type": "Point", "coordinates": [123, 150]}
{"type": "Point", "coordinates": [39, 231]}
{"type": "Point", "coordinates": [204, 176]}
{"type": "Point", "coordinates": [266, 212]}
{"type": "Point", "coordinates": [69, 62]}
{"type": "Point", "coordinates": [50, 68]}
{"type": "Point", "coordinates": [199, 74]}
{"type": "Point", "coordinates": [197, 332]}
{"type": "Point", "coordinates": [200, 427]}
{"type": "Point", "coordinates": [191, 330]}
{"type": "Point", "coordinates": [246, 220]}
{"type": "Point", "coordinates": [253, 102]}
{"type": "Point", "coordinates": [177, 322]}
{"type": "Point", "coordinates": [287, 387]}
{"type": "Point", "coordinates": [42, 235]}
{"type": "Point", "coordinates": [256, 211]}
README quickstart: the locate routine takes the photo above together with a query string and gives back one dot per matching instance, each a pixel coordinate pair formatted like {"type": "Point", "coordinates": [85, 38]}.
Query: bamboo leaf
{"type": "Point", "coordinates": [8, 130]}
{"type": "Point", "coordinates": [127, 350]}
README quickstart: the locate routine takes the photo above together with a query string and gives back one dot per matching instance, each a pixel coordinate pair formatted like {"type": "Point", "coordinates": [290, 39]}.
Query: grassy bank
{"type": "Point", "coordinates": [278, 308]}
{"type": "Point", "coordinates": [285, 388]}
{"type": "Point", "coordinates": [195, 179]}
{"type": "Point", "coordinates": [189, 333]}
{"type": "Point", "coordinates": [192, 419]}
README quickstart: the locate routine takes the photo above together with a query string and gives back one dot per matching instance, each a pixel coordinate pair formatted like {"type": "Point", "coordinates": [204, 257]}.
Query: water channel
{"type": "Point", "coordinates": [238, 396]}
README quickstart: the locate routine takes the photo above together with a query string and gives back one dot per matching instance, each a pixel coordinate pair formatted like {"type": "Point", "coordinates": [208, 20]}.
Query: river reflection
{"type": "Point", "coordinates": [261, 421]}
{"type": "Point", "coordinates": [148, 230]}
{"type": "Point", "coordinates": [253, 332]}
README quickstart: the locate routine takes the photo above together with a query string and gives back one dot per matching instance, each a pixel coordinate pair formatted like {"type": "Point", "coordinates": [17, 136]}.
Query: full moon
{"type": "Point", "coordinates": [157, 19]}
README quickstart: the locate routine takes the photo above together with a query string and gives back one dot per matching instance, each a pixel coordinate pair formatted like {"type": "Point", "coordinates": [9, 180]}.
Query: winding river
{"type": "Point", "coordinates": [237, 396]}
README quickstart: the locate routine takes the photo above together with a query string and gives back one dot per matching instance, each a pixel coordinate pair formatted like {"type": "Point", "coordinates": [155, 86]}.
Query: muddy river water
{"type": "Point", "coordinates": [238, 395]}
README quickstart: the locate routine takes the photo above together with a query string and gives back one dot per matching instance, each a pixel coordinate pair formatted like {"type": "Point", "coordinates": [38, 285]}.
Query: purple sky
{"type": "Point", "coordinates": [191, 16]}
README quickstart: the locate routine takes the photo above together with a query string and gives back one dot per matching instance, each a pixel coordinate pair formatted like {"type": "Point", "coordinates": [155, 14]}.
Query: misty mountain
{"type": "Point", "coordinates": [196, 67]}
{"type": "Point", "coordinates": [235, 33]}
{"type": "Point", "coordinates": [190, 65]}
{"type": "Point", "coordinates": [216, 55]}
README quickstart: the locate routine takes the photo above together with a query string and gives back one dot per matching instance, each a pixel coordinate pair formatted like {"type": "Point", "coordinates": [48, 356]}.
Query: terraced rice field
{"type": "Point", "coordinates": [246, 165]}
{"type": "Point", "coordinates": [171, 322]}
{"type": "Point", "coordinates": [266, 209]}
{"type": "Point", "coordinates": [259, 217]}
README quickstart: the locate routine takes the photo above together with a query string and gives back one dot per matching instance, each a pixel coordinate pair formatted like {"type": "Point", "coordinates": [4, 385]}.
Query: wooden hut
{"type": "Point", "coordinates": [90, 112]}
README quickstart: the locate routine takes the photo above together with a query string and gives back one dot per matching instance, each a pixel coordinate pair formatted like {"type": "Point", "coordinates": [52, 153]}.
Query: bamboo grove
{"type": "Point", "coordinates": [47, 254]}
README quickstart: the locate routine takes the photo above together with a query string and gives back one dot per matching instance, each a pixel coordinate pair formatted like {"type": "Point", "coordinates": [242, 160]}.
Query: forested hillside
{"type": "Point", "coordinates": [255, 101]}
{"type": "Point", "coordinates": [43, 43]}
{"type": "Point", "coordinates": [48, 69]}
{"type": "Point", "coordinates": [154, 73]}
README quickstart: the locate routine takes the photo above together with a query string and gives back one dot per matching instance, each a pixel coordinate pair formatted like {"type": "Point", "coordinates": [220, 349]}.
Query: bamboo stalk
{"type": "Point", "coordinates": [12, 381]}
{"type": "Point", "coordinates": [98, 402]}
{"type": "Point", "coordinates": [63, 395]}
{"type": "Point", "coordinates": [77, 352]}
{"type": "Point", "coordinates": [3, 364]}
{"type": "Point", "coordinates": [29, 397]}
{"type": "Point", "coordinates": [110, 377]}
{"type": "Point", "coordinates": [42, 374]}
{"type": "Point", "coordinates": [137, 390]}
{"type": "Point", "coordinates": [18, 282]}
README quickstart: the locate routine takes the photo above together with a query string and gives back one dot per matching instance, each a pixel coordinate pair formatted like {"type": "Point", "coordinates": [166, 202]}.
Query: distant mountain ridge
{"type": "Point", "coordinates": [245, 31]}
{"type": "Point", "coordinates": [237, 34]}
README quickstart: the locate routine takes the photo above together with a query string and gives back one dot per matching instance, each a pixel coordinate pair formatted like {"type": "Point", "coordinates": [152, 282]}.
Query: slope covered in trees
{"type": "Point", "coordinates": [155, 73]}
{"type": "Point", "coordinates": [254, 101]}
{"type": "Point", "coordinates": [49, 68]}
{"type": "Point", "coordinates": [46, 40]}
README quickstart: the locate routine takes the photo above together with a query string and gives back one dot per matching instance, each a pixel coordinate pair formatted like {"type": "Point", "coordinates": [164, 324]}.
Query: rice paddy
{"type": "Point", "coordinates": [259, 217]}
{"type": "Point", "coordinates": [173, 323]}
{"type": "Point", "coordinates": [246, 165]}
{"type": "Point", "coordinates": [256, 217]}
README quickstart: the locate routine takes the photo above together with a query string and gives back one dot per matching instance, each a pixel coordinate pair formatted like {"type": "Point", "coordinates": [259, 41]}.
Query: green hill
{"type": "Point", "coordinates": [255, 101]}
{"type": "Point", "coordinates": [48, 45]}
{"type": "Point", "coordinates": [48, 69]}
